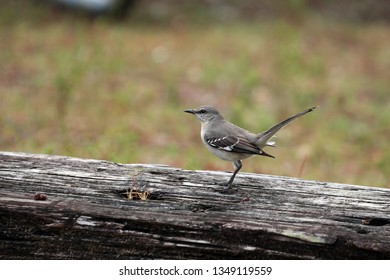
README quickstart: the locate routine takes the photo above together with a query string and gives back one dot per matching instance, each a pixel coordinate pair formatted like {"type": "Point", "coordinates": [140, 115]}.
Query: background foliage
{"type": "Point", "coordinates": [94, 87]}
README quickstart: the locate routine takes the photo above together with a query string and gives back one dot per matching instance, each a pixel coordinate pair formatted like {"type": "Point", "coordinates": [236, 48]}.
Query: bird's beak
{"type": "Point", "coordinates": [191, 111]}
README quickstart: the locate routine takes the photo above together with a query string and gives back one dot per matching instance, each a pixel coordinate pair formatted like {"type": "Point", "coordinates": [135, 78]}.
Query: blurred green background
{"type": "Point", "coordinates": [97, 87]}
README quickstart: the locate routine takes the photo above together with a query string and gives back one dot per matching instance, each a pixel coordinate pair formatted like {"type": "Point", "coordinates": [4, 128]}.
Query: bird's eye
{"type": "Point", "coordinates": [202, 111]}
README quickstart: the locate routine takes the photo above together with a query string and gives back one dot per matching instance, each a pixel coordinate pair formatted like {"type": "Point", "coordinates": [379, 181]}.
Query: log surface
{"type": "Point", "coordinates": [54, 207]}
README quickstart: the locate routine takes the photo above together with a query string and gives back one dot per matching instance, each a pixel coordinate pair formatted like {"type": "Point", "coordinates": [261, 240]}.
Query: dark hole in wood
{"type": "Point", "coordinates": [378, 222]}
{"type": "Point", "coordinates": [133, 194]}
{"type": "Point", "coordinates": [44, 233]}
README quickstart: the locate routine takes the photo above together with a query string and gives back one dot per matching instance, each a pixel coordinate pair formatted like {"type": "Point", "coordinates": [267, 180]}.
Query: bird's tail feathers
{"type": "Point", "coordinates": [263, 137]}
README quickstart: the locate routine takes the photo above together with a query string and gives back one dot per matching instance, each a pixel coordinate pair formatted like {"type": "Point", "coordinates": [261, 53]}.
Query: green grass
{"type": "Point", "coordinates": [116, 90]}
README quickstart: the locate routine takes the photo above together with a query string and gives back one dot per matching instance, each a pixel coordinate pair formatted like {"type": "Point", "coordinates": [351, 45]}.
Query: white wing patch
{"type": "Point", "coordinates": [231, 147]}
{"type": "Point", "coordinates": [235, 145]}
{"type": "Point", "coordinates": [218, 143]}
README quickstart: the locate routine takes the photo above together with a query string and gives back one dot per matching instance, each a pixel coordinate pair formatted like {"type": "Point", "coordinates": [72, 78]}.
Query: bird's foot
{"type": "Point", "coordinates": [228, 189]}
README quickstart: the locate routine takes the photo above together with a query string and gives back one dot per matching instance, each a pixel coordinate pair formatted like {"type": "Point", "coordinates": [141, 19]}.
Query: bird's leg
{"type": "Point", "coordinates": [237, 166]}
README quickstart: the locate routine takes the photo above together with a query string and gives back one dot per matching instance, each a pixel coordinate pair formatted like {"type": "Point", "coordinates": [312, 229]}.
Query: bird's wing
{"type": "Point", "coordinates": [234, 144]}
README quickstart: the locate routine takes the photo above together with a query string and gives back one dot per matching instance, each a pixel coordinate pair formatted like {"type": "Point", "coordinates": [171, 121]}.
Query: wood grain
{"type": "Point", "coordinates": [85, 213]}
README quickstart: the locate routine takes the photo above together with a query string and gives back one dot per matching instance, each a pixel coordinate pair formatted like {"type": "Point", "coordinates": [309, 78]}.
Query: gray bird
{"type": "Point", "coordinates": [233, 143]}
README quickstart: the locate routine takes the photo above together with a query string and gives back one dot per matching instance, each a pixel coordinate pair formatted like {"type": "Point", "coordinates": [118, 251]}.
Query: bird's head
{"type": "Point", "coordinates": [205, 113]}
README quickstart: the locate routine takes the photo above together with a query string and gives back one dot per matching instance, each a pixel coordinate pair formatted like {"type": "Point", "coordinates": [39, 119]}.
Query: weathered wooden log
{"type": "Point", "coordinates": [54, 207]}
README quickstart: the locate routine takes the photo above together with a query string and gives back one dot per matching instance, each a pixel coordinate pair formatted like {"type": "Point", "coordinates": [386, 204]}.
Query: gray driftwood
{"type": "Point", "coordinates": [54, 207]}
